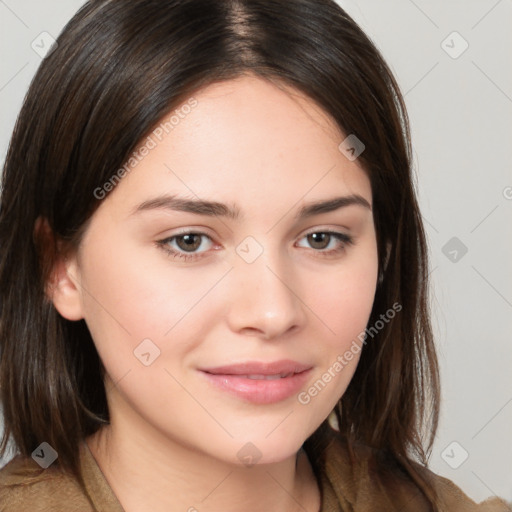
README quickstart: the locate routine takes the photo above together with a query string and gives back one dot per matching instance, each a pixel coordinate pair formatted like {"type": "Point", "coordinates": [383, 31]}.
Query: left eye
{"type": "Point", "coordinates": [327, 240]}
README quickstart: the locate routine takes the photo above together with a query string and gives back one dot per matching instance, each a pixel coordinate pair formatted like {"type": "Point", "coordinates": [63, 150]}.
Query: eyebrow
{"type": "Point", "coordinates": [197, 206]}
{"type": "Point", "coordinates": [213, 208]}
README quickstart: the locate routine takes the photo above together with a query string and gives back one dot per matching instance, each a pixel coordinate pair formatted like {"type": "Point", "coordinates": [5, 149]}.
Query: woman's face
{"type": "Point", "coordinates": [218, 302]}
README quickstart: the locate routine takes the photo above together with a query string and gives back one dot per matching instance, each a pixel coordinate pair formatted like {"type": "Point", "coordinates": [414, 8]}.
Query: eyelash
{"type": "Point", "coordinates": [346, 240]}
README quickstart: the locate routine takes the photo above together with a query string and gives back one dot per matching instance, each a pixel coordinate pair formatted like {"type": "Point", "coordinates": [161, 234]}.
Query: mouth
{"type": "Point", "coordinates": [258, 382]}
{"type": "Point", "coordinates": [267, 377]}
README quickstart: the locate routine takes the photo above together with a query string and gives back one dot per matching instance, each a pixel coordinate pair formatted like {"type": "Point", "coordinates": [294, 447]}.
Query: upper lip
{"type": "Point", "coordinates": [282, 367]}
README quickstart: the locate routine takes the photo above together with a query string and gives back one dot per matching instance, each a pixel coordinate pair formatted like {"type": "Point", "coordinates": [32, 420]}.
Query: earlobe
{"type": "Point", "coordinates": [62, 284]}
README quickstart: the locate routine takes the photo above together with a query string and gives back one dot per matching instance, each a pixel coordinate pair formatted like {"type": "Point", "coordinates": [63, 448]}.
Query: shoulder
{"type": "Point", "coordinates": [24, 485]}
{"type": "Point", "coordinates": [454, 499]}
{"type": "Point", "coordinates": [359, 483]}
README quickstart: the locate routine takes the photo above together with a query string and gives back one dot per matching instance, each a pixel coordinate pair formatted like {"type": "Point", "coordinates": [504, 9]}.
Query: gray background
{"type": "Point", "coordinates": [460, 105]}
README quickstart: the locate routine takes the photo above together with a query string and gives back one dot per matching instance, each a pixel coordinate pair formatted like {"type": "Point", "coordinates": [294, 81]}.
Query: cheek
{"type": "Point", "coordinates": [344, 307]}
{"type": "Point", "coordinates": [344, 299]}
{"type": "Point", "coordinates": [129, 299]}
{"type": "Point", "coordinates": [344, 303]}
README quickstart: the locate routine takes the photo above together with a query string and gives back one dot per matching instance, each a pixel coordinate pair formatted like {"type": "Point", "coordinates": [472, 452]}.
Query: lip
{"type": "Point", "coordinates": [260, 382]}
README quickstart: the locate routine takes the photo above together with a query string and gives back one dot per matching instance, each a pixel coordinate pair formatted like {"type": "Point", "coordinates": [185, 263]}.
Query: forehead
{"type": "Point", "coordinates": [244, 137]}
{"type": "Point", "coordinates": [254, 111]}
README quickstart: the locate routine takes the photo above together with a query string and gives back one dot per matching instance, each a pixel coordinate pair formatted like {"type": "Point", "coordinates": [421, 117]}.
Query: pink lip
{"type": "Point", "coordinates": [289, 378]}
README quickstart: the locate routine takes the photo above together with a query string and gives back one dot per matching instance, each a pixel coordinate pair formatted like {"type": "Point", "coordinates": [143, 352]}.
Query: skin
{"type": "Point", "coordinates": [173, 439]}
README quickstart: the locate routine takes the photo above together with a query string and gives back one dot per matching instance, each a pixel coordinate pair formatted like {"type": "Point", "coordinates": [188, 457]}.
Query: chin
{"type": "Point", "coordinates": [260, 451]}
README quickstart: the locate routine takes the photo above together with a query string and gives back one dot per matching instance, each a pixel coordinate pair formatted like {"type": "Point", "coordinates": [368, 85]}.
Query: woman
{"type": "Point", "coordinates": [214, 271]}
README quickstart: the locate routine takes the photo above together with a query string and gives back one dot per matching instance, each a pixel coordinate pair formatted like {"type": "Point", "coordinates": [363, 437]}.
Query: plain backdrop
{"type": "Point", "coordinates": [452, 61]}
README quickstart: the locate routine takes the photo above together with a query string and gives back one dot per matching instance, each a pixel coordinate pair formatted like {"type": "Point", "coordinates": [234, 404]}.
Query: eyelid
{"type": "Point", "coordinates": [199, 230]}
{"type": "Point", "coordinates": [326, 229]}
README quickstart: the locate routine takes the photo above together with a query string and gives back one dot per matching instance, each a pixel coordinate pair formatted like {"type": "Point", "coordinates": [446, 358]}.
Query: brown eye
{"type": "Point", "coordinates": [189, 242]}
{"type": "Point", "coordinates": [187, 246]}
{"type": "Point", "coordinates": [319, 240]}
{"type": "Point", "coordinates": [326, 243]}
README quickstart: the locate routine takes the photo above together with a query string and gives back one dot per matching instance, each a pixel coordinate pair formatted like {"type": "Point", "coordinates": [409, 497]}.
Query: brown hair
{"type": "Point", "coordinates": [119, 67]}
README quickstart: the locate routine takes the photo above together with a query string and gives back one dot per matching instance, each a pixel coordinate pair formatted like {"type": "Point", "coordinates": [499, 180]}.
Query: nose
{"type": "Point", "coordinates": [265, 299]}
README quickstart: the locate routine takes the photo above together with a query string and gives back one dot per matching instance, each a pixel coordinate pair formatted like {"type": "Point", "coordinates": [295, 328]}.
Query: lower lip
{"type": "Point", "coordinates": [260, 391]}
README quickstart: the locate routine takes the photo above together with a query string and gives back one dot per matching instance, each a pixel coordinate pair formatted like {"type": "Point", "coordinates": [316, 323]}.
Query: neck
{"type": "Point", "coordinates": [148, 472]}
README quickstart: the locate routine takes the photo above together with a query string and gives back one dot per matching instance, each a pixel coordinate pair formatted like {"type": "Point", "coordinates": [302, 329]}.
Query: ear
{"type": "Point", "coordinates": [63, 276]}
{"type": "Point", "coordinates": [65, 289]}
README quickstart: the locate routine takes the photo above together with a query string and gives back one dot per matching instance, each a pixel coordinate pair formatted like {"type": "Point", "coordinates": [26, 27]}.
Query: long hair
{"type": "Point", "coordinates": [117, 69]}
